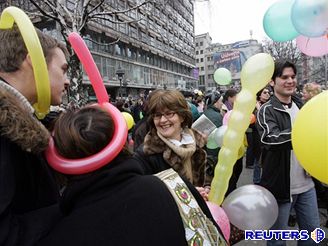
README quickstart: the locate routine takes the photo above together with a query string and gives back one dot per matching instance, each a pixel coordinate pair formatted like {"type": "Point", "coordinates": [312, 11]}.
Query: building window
{"type": "Point", "coordinates": [117, 50]}
{"type": "Point", "coordinates": [197, 60]}
{"type": "Point", "coordinates": [209, 76]}
{"type": "Point", "coordinates": [197, 52]}
{"type": "Point", "coordinates": [201, 44]}
{"type": "Point", "coordinates": [201, 51]}
{"type": "Point", "coordinates": [196, 44]}
{"type": "Point", "coordinates": [201, 68]}
{"type": "Point", "coordinates": [201, 59]}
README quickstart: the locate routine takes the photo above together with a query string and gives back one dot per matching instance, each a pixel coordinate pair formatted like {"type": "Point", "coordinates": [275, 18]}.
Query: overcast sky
{"type": "Point", "coordinates": [229, 21]}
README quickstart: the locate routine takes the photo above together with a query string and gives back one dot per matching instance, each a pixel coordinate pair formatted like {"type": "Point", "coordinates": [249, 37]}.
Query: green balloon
{"type": "Point", "coordinates": [211, 143]}
{"type": "Point", "coordinates": [277, 21]}
{"type": "Point", "coordinates": [222, 76]}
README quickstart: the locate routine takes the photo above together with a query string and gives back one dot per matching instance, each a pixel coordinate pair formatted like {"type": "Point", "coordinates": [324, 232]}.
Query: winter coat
{"type": "Point", "coordinates": [152, 153]}
{"type": "Point", "coordinates": [194, 111]}
{"type": "Point", "coordinates": [139, 132]}
{"type": "Point", "coordinates": [274, 126]}
{"type": "Point", "coordinates": [28, 194]}
{"type": "Point", "coordinates": [117, 206]}
{"type": "Point", "coordinates": [214, 115]}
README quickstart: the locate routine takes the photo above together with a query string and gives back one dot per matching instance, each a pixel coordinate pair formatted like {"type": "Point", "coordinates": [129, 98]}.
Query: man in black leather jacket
{"type": "Point", "coordinates": [282, 173]}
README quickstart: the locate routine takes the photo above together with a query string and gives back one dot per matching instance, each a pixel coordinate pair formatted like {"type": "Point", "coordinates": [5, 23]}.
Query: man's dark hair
{"type": "Point", "coordinates": [279, 67]}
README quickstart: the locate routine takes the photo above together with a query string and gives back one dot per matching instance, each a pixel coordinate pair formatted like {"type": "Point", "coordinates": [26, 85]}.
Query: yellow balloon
{"type": "Point", "coordinates": [232, 138]}
{"type": "Point", "coordinates": [222, 174]}
{"type": "Point", "coordinates": [245, 101]}
{"type": "Point", "coordinates": [128, 119]}
{"type": "Point", "coordinates": [241, 151]}
{"type": "Point", "coordinates": [257, 72]}
{"type": "Point", "coordinates": [310, 137]}
{"type": "Point", "coordinates": [30, 37]}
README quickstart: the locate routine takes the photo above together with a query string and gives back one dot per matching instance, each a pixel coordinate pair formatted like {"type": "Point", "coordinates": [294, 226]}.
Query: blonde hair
{"type": "Point", "coordinates": [312, 89]}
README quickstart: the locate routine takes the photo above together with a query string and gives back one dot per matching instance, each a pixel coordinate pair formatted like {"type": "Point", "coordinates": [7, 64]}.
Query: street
{"type": "Point", "coordinates": [246, 178]}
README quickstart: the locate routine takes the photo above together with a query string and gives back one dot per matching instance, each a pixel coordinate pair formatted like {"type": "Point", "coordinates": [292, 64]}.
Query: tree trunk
{"type": "Point", "coordinates": [77, 92]}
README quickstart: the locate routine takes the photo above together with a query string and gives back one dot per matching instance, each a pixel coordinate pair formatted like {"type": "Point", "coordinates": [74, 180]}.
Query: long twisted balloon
{"type": "Point", "coordinates": [255, 74]}
{"type": "Point", "coordinates": [8, 17]}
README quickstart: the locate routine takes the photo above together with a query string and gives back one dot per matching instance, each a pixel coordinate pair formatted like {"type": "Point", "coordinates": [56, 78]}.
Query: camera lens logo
{"type": "Point", "coordinates": [318, 235]}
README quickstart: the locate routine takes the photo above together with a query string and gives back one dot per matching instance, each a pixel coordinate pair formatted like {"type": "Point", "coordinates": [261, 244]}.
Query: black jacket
{"type": "Point", "coordinates": [274, 126]}
{"type": "Point", "coordinates": [28, 194]}
{"type": "Point", "coordinates": [118, 205]}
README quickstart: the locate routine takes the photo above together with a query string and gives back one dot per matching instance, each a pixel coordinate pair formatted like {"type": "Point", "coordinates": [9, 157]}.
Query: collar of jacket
{"type": "Point", "coordinates": [153, 144]}
{"type": "Point", "coordinates": [19, 125]}
{"type": "Point", "coordinates": [214, 108]}
{"type": "Point", "coordinates": [278, 105]}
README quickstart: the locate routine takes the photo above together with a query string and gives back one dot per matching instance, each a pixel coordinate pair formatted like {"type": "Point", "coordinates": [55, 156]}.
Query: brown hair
{"type": "Point", "coordinates": [83, 132]}
{"type": "Point", "coordinates": [172, 100]}
{"type": "Point", "coordinates": [13, 49]}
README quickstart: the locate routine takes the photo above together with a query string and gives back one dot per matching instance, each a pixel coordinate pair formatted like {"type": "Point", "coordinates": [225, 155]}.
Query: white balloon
{"type": "Point", "coordinates": [219, 133]}
{"type": "Point", "coordinates": [251, 207]}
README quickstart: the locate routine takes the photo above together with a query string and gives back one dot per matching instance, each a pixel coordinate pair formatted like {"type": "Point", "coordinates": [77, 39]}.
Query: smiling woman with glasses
{"type": "Point", "coordinates": [171, 146]}
{"type": "Point", "coordinates": [171, 143]}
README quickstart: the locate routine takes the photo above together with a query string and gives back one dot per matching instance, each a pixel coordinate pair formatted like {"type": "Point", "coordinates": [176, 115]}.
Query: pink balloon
{"type": "Point", "coordinates": [220, 218]}
{"type": "Point", "coordinates": [105, 156]}
{"type": "Point", "coordinates": [317, 46]}
{"type": "Point", "coordinates": [83, 53]}
{"type": "Point", "coordinates": [96, 161]}
{"type": "Point", "coordinates": [226, 117]}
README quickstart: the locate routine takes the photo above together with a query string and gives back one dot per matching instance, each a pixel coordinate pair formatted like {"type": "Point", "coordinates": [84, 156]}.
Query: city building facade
{"type": "Point", "coordinates": [153, 45]}
{"type": "Point", "coordinates": [231, 56]}
{"type": "Point", "coordinates": [202, 42]}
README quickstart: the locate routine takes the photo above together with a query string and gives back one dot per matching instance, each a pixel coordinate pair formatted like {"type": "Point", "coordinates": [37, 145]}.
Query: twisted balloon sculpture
{"type": "Point", "coordinates": [255, 74]}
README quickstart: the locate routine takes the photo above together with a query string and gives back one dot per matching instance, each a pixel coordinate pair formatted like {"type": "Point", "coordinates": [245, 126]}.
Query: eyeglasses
{"type": "Point", "coordinates": [167, 115]}
{"type": "Point", "coordinates": [265, 92]}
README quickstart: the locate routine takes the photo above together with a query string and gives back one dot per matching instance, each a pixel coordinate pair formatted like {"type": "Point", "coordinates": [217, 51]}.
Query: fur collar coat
{"type": "Point", "coordinates": [20, 126]}
{"type": "Point", "coordinates": [155, 146]}
{"type": "Point", "coordinates": [28, 190]}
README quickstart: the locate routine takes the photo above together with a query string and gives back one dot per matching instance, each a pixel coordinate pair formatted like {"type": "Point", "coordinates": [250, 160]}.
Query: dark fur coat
{"type": "Point", "coordinates": [28, 193]}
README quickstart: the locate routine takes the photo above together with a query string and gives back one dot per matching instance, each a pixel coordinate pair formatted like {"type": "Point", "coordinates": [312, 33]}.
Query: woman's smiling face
{"type": "Point", "coordinates": [168, 124]}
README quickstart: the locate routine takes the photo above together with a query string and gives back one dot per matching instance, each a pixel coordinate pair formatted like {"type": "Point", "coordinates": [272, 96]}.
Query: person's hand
{"type": "Point", "coordinates": [203, 192]}
{"type": "Point", "coordinates": [258, 105]}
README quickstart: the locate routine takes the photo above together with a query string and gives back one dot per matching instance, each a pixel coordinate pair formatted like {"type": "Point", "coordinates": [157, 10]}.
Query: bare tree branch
{"type": "Point", "coordinates": [116, 12]}
{"type": "Point", "coordinates": [43, 12]}
{"type": "Point", "coordinates": [95, 7]}
{"type": "Point", "coordinates": [117, 22]}
{"type": "Point", "coordinates": [283, 50]}
{"type": "Point", "coordinates": [67, 12]}
{"type": "Point", "coordinates": [102, 44]}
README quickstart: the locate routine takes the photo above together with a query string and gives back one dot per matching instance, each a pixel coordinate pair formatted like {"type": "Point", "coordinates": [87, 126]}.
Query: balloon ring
{"type": "Point", "coordinates": [94, 162]}
{"type": "Point", "coordinates": [30, 37]}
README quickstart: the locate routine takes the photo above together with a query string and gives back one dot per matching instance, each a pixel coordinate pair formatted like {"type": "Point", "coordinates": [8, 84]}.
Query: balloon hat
{"type": "Point", "coordinates": [30, 37]}
{"type": "Point", "coordinates": [94, 162]}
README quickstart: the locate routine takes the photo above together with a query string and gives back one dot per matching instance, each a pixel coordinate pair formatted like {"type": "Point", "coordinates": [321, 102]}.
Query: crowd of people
{"type": "Point", "coordinates": [155, 194]}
